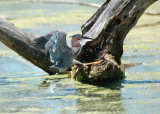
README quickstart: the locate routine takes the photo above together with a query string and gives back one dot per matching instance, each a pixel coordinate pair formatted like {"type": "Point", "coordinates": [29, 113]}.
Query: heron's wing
{"type": "Point", "coordinates": [60, 52]}
{"type": "Point", "coordinates": [53, 48]}
{"type": "Point", "coordinates": [52, 42]}
{"type": "Point", "coordinates": [41, 41]}
{"type": "Point", "coordinates": [65, 47]}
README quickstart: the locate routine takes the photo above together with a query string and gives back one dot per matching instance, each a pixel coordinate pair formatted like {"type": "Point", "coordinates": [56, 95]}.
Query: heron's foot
{"type": "Point", "coordinates": [92, 63]}
{"type": "Point", "coordinates": [76, 68]}
{"type": "Point", "coordinates": [69, 75]}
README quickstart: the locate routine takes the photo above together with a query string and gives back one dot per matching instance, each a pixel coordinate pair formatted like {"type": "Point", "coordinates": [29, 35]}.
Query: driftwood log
{"type": "Point", "coordinates": [107, 27]}
{"type": "Point", "coordinates": [21, 42]}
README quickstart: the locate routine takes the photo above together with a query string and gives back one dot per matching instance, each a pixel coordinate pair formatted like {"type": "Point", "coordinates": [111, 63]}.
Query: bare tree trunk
{"type": "Point", "coordinates": [107, 27]}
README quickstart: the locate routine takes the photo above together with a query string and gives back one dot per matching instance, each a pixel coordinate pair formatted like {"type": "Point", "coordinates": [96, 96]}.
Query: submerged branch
{"type": "Point", "coordinates": [81, 3]}
{"type": "Point", "coordinates": [65, 2]}
{"type": "Point", "coordinates": [152, 14]}
{"type": "Point", "coordinates": [148, 25]}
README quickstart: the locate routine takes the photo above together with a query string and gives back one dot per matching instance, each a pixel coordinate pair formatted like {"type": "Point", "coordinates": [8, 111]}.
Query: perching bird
{"type": "Point", "coordinates": [60, 54]}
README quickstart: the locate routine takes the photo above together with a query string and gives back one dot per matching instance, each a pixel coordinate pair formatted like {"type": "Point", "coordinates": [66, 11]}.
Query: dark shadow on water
{"type": "Point", "coordinates": [140, 82]}
{"type": "Point", "coordinates": [115, 85]}
{"type": "Point", "coordinates": [48, 81]}
{"type": "Point", "coordinates": [106, 95]}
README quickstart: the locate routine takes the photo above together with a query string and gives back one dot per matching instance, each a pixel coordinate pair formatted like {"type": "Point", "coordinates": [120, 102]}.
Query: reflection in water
{"type": "Point", "coordinates": [141, 82]}
{"type": "Point", "coordinates": [59, 96]}
{"type": "Point", "coordinates": [24, 88]}
{"type": "Point", "coordinates": [86, 98]}
{"type": "Point", "coordinates": [101, 100]}
{"type": "Point", "coordinates": [28, 92]}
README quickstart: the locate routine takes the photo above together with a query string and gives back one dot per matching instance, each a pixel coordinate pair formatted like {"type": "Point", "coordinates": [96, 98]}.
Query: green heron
{"type": "Point", "coordinates": [60, 54]}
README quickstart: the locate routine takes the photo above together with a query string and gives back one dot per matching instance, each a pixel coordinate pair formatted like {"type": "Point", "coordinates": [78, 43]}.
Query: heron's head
{"type": "Point", "coordinates": [79, 37]}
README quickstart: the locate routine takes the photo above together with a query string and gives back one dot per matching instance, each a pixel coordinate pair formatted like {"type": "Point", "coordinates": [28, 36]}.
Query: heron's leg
{"type": "Point", "coordinates": [92, 63]}
{"type": "Point", "coordinates": [69, 75]}
{"type": "Point", "coordinates": [86, 64]}
{"type": "Point", "coordinates": [76, 68]}
{"type": "Point", "coordinates": [77, 65]}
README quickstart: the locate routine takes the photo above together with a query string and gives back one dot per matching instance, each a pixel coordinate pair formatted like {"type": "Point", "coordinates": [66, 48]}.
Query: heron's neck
{"type": "Point", "coordinates": [75, 42]}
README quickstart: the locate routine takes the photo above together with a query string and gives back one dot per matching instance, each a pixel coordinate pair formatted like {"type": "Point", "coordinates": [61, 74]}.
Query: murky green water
{"type": "Point", "coordinates": [24, 88]}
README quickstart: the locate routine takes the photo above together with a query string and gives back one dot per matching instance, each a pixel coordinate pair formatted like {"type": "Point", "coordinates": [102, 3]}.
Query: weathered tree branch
{"type": "Point", "coordinates": [113, 24]}
{"type": "Point", "coordinates": [108, 28]}
{"type": "Point", "coordinates": [21, 42]}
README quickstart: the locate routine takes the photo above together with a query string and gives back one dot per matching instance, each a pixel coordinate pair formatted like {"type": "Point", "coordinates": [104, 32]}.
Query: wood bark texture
{"type": "Point", "coordinates": [108, 28]}
{"type": "Point", "coordinates": [21, 42]}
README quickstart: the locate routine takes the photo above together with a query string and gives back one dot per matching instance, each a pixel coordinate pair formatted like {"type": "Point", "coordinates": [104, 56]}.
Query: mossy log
{"type": "Point", "coordinates": [107, 28]}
